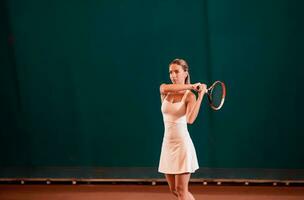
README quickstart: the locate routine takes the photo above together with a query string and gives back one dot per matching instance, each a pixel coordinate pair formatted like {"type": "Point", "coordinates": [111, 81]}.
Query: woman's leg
{"type": "Point", "coordinates": [171, 181]}
{"type": "Point", "coordinates": [181, 184]}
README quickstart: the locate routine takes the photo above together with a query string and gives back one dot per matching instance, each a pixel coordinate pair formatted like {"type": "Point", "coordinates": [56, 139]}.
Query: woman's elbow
{"type": "Point", "coordinates": [162, 88]}
{"type": "Point", "coordinates": [190, 121]}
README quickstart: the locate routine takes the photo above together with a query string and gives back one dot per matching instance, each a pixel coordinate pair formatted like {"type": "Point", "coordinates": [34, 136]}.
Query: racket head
{"type": "Point", "coordinates": [216, 95]}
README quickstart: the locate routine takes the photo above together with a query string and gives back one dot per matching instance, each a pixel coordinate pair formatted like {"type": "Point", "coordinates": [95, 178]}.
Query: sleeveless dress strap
{"type": "Point", "coordinates": [165, 96]}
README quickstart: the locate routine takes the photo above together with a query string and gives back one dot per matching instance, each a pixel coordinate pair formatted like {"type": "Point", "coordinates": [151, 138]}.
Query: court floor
{"type": "Point", "coordinates": [146, 192]}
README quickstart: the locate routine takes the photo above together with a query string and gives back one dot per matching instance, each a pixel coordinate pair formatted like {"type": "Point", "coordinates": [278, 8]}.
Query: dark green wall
{"type": "Point", "coordinates": [80, 81]}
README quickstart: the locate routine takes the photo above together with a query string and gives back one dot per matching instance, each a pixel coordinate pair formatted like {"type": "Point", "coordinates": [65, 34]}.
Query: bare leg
{"type": "Point", "coordinates": [181, 182]}
{"type": "Point", "coordinates": [171, 181]}
{"type": "Point", "coordinates": [191, 196]}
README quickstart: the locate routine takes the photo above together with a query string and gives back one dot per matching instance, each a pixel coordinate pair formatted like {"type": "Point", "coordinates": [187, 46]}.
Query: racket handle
{"type": "Point", "coordinates": [198, 87]}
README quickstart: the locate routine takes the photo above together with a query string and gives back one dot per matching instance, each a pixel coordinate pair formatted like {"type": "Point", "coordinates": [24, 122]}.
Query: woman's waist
{"type": "Point", "coordinates": [172, 128]}
{"type": "Point", "coordinates": [176, 135]}
{"type": "Point", "coordinates": [181, 125]}
{"type": "Point", "coordinates": [175, 120]}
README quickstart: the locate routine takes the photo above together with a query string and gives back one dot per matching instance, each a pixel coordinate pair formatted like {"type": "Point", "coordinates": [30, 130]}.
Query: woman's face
{"type": "Point", "coordinates": [177, 74]}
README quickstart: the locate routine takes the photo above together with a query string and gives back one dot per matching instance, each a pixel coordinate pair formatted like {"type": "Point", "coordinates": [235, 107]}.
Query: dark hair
{"type": "Point", "coordinates": [185, 67]}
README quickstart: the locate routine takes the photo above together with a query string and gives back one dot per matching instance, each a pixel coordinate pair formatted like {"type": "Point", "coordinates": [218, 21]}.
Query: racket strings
{"type": "Point", "coordinates": [217, 94]}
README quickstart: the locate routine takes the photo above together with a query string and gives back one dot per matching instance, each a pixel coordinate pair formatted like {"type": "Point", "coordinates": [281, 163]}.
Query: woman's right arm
{"type": "Point", "coordinates": [165, 88]}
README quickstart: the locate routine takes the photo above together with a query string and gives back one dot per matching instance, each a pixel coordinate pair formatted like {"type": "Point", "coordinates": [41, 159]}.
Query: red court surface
{"type": "Point", "coordinates": [146, 192]}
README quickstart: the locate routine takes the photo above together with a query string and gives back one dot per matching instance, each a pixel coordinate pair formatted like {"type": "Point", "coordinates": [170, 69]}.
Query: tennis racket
{"type": "Point", "coordinates": [216, 94]}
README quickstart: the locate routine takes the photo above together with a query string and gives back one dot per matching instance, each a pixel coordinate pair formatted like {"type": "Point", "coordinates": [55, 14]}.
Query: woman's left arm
{"type": "Point", "coordinates": [194, 105]}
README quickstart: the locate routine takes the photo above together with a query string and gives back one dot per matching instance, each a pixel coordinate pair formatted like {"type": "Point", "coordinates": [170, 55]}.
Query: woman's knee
{"type": "Point", "coordinates": [181, 190]}
{"type": "Point", "coordinates": [173, 190]}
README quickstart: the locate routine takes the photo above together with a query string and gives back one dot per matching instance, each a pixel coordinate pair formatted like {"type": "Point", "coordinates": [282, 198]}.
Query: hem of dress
{"type": "Point", "coordinates": [183, 172]}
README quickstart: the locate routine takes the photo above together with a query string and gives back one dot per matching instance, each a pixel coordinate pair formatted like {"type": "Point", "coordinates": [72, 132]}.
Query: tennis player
{"type": "Point", "coordinates": [179, 107]}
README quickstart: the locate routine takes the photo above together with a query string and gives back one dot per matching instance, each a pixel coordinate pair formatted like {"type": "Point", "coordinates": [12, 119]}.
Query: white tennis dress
{"type": "Point", "coordinates": [177, 153]}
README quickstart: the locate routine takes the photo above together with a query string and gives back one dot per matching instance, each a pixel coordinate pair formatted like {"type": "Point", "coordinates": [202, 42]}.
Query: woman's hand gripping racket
{"type": "Point", "coordinates": [216, 94]}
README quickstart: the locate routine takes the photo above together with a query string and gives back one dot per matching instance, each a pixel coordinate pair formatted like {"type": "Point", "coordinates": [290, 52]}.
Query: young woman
{"type": "Point", "coordinates": [179, 108]}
